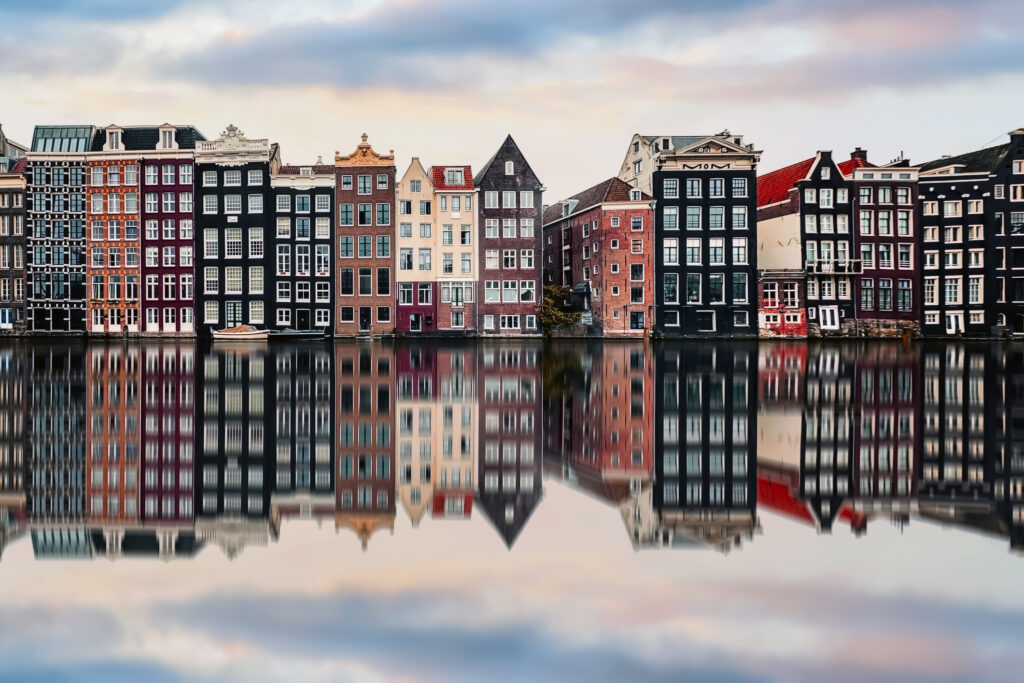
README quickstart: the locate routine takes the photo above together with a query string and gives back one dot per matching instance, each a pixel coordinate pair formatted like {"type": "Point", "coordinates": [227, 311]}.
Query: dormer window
{"type": "Point", "coordinates": [825, 172]}
{"type": "Point", "coordinates": [114, 139]}
{"type": "Point", "coordinates": [634, 195]}
{"type": "Point", "coordinates": [167, 139]}
{"type": "Point", "coordinates": [453, 176]}
{"type": "Point", "coordinates": [510, 168]}
{"type": "Point", "coordinates": [305, 170]}
{"type": "Point", "coordinates": [664, 144]}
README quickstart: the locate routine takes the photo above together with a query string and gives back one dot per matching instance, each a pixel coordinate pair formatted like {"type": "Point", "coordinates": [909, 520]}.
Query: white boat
{"type": "Point", "coordinates": [241, 333]}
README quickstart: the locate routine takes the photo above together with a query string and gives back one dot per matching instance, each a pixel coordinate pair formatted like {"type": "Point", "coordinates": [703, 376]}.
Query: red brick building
{"type": "Point", "coordinates": [600, 242]}
{"type": "Point", "coordinates": [366, 233]}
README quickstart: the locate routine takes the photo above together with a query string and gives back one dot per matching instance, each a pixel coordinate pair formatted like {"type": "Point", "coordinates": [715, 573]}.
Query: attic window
{"type": "Point", "coordinates": [453, 176]}
{"type": "Point", "coordinates": [664, 144]}
{"type": "Point", "coordinates": [825, 172]}
{"type": "Point", "coordinates": [114, 140]}
{"type": "Point", "coordinates": [636, 147]}
{"type": "Point", "coordinates": [634, 195]}
{"type": "Point", "coordinates": [510, 168]}
{"type": "Point", "coordinates": [737, 140]}
{"type": "Point", "coordinates": [166, 139]}
{"type": "Point", "coordinates": [305, 170]}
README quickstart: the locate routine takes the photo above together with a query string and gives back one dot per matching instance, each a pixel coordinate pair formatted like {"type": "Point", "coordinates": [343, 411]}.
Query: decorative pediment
{"type": "Point", "coordinates": [712, 145]}
{"type": "Point", "coordinates": [365, 156]}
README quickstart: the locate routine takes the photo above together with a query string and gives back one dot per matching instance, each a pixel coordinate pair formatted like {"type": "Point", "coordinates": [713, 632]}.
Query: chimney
{"type": "Point", "coordinates": [859, 153]}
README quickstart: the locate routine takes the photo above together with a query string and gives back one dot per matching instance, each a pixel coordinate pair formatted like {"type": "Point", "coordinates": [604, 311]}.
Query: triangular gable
{"type": "Point", "coordinates": [716, 144]}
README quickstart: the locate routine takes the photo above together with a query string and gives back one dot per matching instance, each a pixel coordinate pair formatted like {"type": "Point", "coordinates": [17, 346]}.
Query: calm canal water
{"type": "Point", "coordinates": [444, 511]}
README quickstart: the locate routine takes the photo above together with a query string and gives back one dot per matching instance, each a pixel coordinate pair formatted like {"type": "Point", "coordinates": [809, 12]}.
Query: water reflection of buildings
{"type": "Point", "coordinates": [510, 435]}
{"type": "Point", "coordinates": [155, 449]}
{"type": "Point", "coordinates": [705, 491]}
{"type": "Point", "coordinates": [14, 378]}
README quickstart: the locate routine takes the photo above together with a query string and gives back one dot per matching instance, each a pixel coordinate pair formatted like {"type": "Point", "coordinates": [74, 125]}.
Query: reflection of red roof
{"type": "Point", "coordinates": [438, 176]}
{"type": "Point", "coordinates": [775, 186]}
{"type": "Point", "coordinates": [777, 496]}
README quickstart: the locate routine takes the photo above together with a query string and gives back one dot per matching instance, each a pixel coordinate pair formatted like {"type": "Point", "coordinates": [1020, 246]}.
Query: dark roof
{"type": "Point", "coordinates": [295, 169]}
{"type": "Point", "coordinates": [981, 161]}
{"type": "Point", "coordinates": [611, 190]}
{"type": "Point", "coordinates": [679, 141]}
{"type": "Point", "coordinates": [437, 176]}
{"type": "Point", "coordinates": [482, 173]}
{"type": "Point", "coordinates": [775, 186]}
{"type": "Point", "coordinates": [146, 138]}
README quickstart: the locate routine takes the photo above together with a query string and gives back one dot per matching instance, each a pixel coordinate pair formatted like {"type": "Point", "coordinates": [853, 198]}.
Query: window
{"type": "Point", "coordinates": [693, 218]}
{"type": "Point", "coordinates": [508, 258]}
{"type": "Point", "coordinates": [508, 200]}
{"type": "Point", "coordinates": [693, 187]}
{"type": "Point", "coordinates": [739, 187]}
{"type": "Point", "coordinates": [670, 188]}
{"type": "Point", "coordinates": [364, 184]}
{"type": "Point", "coordinates": [739, 217]}
{"type": "Point", "coordinates": [670, 218]}
{"type": "Point", "coordinates": [716, 218]}
{"type": "Point", "coordinates": [233, 203]}
{"type": "Point", "coordinates": [670, 251]}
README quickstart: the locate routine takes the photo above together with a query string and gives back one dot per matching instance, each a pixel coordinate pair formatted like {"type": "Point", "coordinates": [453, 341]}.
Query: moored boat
{"type": "Point", "coordinates": [241, 333]}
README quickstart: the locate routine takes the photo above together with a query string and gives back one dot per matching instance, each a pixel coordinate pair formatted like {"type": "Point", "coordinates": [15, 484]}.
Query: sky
{"type": "Point", "coordinates": [571, 601]}
{"type": "Point", "coordinates": [571, 80]}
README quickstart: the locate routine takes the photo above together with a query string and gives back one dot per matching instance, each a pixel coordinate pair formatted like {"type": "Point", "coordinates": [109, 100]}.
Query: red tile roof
{"type": "Point", "coordinates": [775, 186]}
{"type": "Point", "coordinates": [437, 175]}
{"type": "Point", "coordinates": [611, 190]}
{"type": "Point", "coordinates": [20, 166]}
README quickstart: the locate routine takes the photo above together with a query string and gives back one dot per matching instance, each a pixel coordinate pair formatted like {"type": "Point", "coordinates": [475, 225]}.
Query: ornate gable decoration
{"type": "Point", "coordinates": [365, 156]}
{"type": "Point", "coordinates": [232, 147]}
{"type": "Point", "coordinates": [710, 153]}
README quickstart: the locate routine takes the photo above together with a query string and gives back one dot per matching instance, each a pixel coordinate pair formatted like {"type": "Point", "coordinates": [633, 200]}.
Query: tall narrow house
{"type": "Point", "coordinates": [12, 235]}
{"type": "Point", "coordinates": [806, 248]}
{"type": "Point", "coordinates": [456, 236]}
{"type": "Point", "coordinates": [416, 268]}
{"type": "Point", "coordinates": [365, 191]}
{"type": "Point", "coordinates": [303, 237]}
{"type": "Point", "coordinates": [168, 228]}
{"type": "Point", "coordinates": [234, 263]}
{"type": "Point", "coordinates": [56, 218]}
{"type": "Point", "coordinates": [706, 194]}
{"type": "Point", "coordinates": [510, 244]}
{"type": "Point", "coordinates": [972, 222]}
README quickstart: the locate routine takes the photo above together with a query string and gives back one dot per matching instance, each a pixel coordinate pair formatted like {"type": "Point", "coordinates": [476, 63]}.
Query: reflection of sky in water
{"type": "Point", "coordinates": [572, 599]}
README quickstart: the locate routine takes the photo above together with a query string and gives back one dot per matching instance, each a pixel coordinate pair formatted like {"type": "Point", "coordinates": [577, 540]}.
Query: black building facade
{"type": "Point", "coordinates": [706, 197]}
{"type": "Point", "coordinates": [303, 246]}
{"type": "Point", "coordinates": [56, 228]}
{"type": "Point", "coordinates": [233, 218]}
{"type": "Point", "coordinates": [972, 221]}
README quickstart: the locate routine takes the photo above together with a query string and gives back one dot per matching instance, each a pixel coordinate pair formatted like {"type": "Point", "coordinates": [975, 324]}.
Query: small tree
{"type": "Point", "coordinates": [555, 312]}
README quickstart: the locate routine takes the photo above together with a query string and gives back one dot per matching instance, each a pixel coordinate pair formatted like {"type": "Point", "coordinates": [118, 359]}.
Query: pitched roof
{"type": "Point", "coordinates": [437, 174]}
{"type": "Point", "coordinates": [482, 173]}
{"type": "Point", "coordinates": [679, 141]}
{"type": "Point", "coordinates": [20, 166]}
{"type": "Point", "coordinates": [775, 186]}
{"type": "Point", "coordinates": [144, 138]}
{"type": "Point", "coordinates": [611, 190]}
{"type": "Point", "coordinates": [980, 161]}
{"type": "Point", "coordinates": [296, 169]}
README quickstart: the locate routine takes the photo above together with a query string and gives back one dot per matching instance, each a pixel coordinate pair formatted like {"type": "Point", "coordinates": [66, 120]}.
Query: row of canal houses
{"type": "Point", "coordinates": [159, 231]}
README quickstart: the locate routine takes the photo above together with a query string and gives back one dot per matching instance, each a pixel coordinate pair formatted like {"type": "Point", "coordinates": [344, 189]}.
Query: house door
{"type": "Point", "coordinates": [302, 320]}
{"type": "Point", "coordinates": [414, 322]}
{"type": "Point", "coordinates": [829, 317]}
{"type": "Point", "coordinates": [636, 320]}
{"type": "Point", "coordinates": [364, 318]}
{"type": "Point", "coordinates": [954, 323]}
{"type": "Point", "coordinates": [233, 313]}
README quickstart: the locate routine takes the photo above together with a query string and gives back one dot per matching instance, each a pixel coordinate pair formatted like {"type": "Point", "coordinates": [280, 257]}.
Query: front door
{"type": "Point", "coordinates": [302, 319]}
{"type": "Point", "coordinates": [636, 320]}
{"type": "Point", "coordinates": [364, 318]}
{"type": "Point", "coordinates": [829, 317]}
{"type": "Point", "coordinates": [954, 323]}
{"type": "Point", "coordinates": [233, 313]}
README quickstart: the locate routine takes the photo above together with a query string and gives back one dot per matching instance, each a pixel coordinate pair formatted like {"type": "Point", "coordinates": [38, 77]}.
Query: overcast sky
{"type": "Point", "coordinates": [445, 80]}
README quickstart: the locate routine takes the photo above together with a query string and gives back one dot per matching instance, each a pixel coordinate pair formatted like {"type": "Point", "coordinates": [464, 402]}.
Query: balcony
{"type": "Point", "coordinates": [833, 267]}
